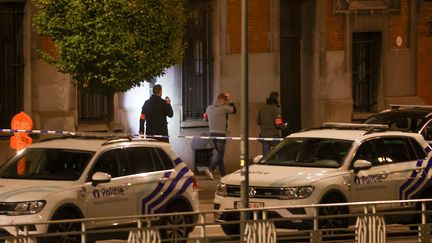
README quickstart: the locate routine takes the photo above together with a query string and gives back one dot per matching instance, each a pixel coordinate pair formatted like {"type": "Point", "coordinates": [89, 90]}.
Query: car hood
{"type": "Point", "coordinates": [281, 176]}
{"type": "Point", "coordinates": [12, 190]}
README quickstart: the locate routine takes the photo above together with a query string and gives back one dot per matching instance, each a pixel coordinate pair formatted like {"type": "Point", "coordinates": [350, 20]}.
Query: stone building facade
{"type": "Point", "coordinates": [331, 60]}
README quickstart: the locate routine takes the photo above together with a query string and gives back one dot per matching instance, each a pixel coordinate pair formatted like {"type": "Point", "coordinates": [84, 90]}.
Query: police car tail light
{"type": "Point", "coordinates": [23, 208]}
{"type": "Point", "coordinates": [195, 183]}
{"type": "Point", "coordinates": [296, 192]}
{"type": "Point", "coordinates": [221, 189]}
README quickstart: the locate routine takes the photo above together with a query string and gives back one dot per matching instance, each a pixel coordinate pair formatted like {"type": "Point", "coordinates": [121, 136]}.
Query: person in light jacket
{"type": "Point", "coordinates": [217, 115]}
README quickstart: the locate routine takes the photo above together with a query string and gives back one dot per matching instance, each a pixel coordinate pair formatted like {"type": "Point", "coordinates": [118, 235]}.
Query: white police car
{"type": "Point", "coordinates": [331, 164]}
{"type": "Point", "coordinates": [415, 118]}
{"type": "Point", "coordinates": [70, 178]}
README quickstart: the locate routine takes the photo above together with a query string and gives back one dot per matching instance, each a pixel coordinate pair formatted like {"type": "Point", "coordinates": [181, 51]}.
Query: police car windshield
{"type": "Point", "coordinates": [47, 164]}
{"type": "Point", "coordinates": [308, 152]}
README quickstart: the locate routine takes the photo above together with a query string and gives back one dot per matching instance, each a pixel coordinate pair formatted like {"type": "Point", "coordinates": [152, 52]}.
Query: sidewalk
{"type": "Point", "coordinates": [207, 187]}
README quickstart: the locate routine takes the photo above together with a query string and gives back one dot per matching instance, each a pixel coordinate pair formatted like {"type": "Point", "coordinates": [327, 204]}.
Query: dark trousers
{"type": "Point", "coordinates": [218, 157]}
{"type": "Point", "coordinates": [267, 145]}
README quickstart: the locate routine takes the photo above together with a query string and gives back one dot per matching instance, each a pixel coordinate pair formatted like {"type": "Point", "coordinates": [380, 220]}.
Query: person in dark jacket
{"type": "Point", "coordinates": [267, 119]}
{"type": "Point", "coordinates": [154, 115]}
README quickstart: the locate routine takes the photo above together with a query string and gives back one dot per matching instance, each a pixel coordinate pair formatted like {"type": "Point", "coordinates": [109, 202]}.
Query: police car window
{"type": "Point", "coordinates": [141, 160]}
{"type": "Point", "coordinates": [419, 152]}
{"type": "Point", "coordinates": [111, 163]}
{"type": "Point", "coordinates": [47, 164]}
{"type": "Point", "coordinates": [165, 160]}
{"type": "Point", "coordinates": [427, 131]}
{"type": "Point", "coordinates": [397, 149]}
{"type": "Point", "coordinates": [369, 151]}
{"type": "Point", "coordinates": [309, 152]}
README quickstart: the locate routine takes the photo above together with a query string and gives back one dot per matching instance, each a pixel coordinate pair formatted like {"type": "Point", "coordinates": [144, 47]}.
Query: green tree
{"type": "Point", "coordinates": [112, 45]}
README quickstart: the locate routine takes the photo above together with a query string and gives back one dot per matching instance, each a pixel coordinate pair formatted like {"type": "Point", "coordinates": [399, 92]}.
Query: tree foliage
{"type": "Point", "coordinates": [112, 45]}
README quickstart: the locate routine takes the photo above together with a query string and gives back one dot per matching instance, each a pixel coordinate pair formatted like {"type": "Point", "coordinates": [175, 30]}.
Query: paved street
{"type": "Point", "coordinates": [207, 188]}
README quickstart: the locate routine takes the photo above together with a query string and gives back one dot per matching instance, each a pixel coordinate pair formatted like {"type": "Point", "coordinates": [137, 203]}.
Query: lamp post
{"type": "Point", "coordinates": [244, 146]}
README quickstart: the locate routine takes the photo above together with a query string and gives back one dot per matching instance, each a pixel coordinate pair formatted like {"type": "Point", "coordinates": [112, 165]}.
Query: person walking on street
{"type": "Point", "coordinates": [270, 122]}
{"type": "Point", "coordinates": [154, 115]}
{"type": "Point", "coordinates": [218, 125]}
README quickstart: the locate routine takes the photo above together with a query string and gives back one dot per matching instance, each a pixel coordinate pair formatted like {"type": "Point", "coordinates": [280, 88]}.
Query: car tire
{"type": "Point", "coordinates": [176, 230]}
{"type": "Point", "coordinates": [332, 223]}
{"type": "Point", "coordinates": [229, 228]}
{"type": "Point", "coordinates": [63, 227]}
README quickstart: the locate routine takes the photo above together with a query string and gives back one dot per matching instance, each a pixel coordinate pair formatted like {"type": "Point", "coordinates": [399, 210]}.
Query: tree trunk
{"type": "Point", "coordinates": [110, 109]}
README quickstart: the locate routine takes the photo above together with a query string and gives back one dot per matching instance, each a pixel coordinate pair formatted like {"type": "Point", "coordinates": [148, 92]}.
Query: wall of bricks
{"type": "Point", "coordinates": [334, 28]}
{"type": "Point", "coordinates": [47, 45]}
{"type": "Point", "coordinates": [424, 52]}
{"type": "Point", "coordinates": [259, 25]}
{"type": "Point", "coordinates": [399, 26]}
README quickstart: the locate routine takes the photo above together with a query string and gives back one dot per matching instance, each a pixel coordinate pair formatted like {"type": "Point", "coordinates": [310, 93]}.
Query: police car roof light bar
{"type": "Point", "coordinates": [354, 126]}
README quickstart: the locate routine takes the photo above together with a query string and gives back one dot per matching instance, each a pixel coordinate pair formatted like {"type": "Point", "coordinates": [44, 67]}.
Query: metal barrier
{"type": "Point", "coordinates": [368, 226]}
{"type": "Point", "coordinates": [260, 231]}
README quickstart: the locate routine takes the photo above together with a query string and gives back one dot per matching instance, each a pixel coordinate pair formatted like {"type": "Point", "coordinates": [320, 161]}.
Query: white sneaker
{"type": "Point", "coordinates": [209, 174]}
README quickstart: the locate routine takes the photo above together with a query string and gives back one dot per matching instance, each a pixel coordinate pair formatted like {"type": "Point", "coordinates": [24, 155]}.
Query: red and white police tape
{"type": "Point", "coordinates": [131, 135]}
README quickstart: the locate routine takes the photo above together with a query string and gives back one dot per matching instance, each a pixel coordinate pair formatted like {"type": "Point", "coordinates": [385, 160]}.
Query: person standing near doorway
{"type": "Point", "coordinates": [154, 115]}
{"type": "Point", "coordinates": [218, 124]}
{"type": "Point", "coordinates": [270, 121]}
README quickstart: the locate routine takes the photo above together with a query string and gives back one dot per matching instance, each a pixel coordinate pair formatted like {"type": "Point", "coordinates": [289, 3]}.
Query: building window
{"type": "Point", "coordinates": [11, 61]}
{"type": "Point", "coordinates": [92, 107]}
{"type": "Point", "coordinates": [365, 61]}
{"type": "Point", "coordinates": [197, 61]}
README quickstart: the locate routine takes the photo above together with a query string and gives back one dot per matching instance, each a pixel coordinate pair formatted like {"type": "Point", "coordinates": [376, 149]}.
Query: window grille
{"type": "Point", "coordinates": [197, 61]}
{"type": "Point", "coordinates": [365, 66]}
{"type": "Point", "coordinates": [92, 107]}
{"type": "Point", "coordinates": [11, 61]}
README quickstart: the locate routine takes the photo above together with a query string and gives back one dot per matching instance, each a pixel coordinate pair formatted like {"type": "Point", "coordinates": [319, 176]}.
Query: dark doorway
{"type": "Point", "coordinates": [11, 61]}
{"type": "Point", "coordinates": [290, 79]}
{"type": "Point", "coordinates": [197, 80]}
{"type": "Point", "coordinates": [366, 61]}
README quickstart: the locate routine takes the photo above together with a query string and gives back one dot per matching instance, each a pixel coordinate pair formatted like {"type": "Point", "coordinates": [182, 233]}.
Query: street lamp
{"type": "Point", "coordinates": [244, 146]}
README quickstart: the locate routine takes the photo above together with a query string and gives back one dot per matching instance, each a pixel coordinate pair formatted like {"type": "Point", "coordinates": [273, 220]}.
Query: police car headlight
{"type": "Point", "coordinates": [22, 208]}
{"type": "Point", "coordinates": [221, 190]}
{"type": "Point", "coordinates": [296, 192]}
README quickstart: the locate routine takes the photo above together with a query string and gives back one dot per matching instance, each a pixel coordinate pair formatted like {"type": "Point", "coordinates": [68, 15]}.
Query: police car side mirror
{"type": "Point", "coordinates": [100, 177]}
{"type": "Point", "coordinates": [257, 158]}
{"type": "Point", "coordinates": [361, 164]}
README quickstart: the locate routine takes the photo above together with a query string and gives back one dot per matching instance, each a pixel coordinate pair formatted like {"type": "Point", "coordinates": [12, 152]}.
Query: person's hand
{"type": "Point", "coordinates": [227, 97]}
{"type": "Point", "coordinates": [168, 100]}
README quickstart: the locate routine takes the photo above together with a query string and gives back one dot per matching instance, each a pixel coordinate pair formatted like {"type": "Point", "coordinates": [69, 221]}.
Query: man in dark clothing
{"type": "Point", "coordinates": [155, 112]}
{"type": "Point", "coordinates": [267, 117]}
